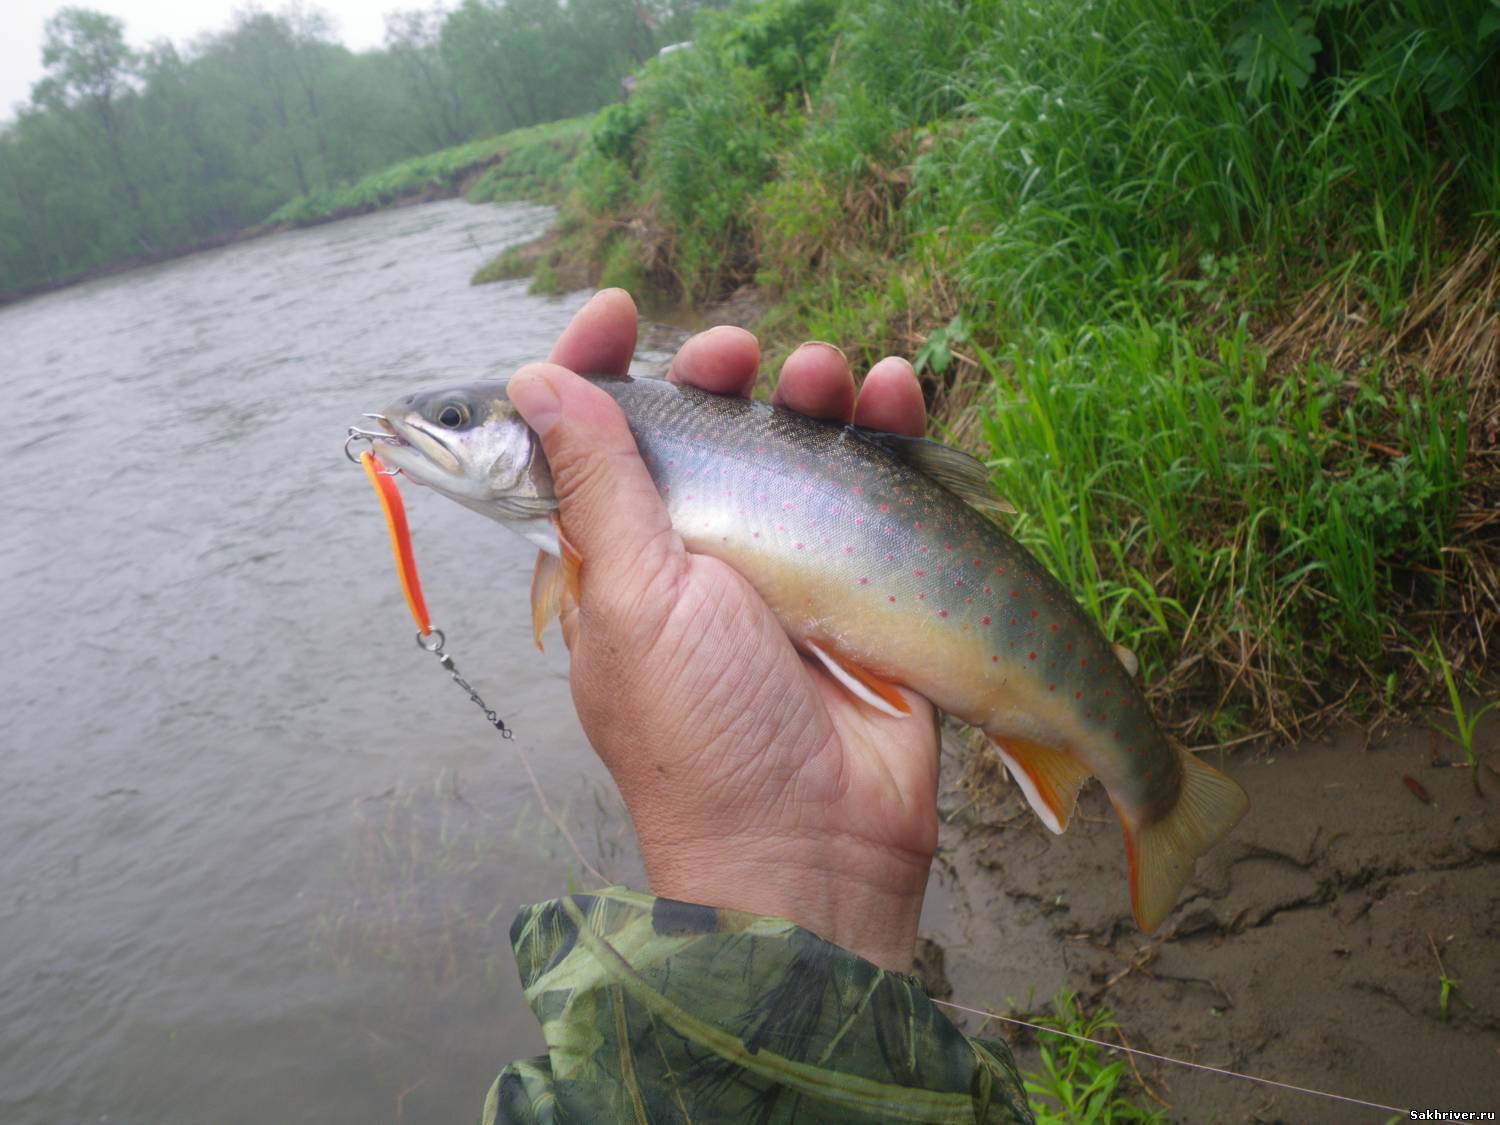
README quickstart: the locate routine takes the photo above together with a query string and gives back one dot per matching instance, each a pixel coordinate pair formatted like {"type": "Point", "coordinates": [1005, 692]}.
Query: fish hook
{"type": "Point", "coordinates": [356, 434]}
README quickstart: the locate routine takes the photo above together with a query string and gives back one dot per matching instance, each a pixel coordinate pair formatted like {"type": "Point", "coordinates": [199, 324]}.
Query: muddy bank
{"type": "Point", "coordinates": [1306, 949]}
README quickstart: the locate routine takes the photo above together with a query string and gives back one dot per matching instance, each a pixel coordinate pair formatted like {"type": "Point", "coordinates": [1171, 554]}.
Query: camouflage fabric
{"type": "Point", "coordinates": [655, 1010]}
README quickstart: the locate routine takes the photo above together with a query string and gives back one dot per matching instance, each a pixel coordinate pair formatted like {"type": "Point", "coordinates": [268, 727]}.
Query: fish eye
{"type": "Point", "coordinates": [453, 415]}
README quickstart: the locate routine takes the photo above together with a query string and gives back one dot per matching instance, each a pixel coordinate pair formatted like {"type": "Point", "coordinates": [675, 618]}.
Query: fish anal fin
{"type": "Point", "coordinates": [1049, 778]}
{"type": "Point", "coordinates": [861, 682]}
{"type": "Point", "coordinates": [1161, 855]}
{"type": "Point", "coordinates": [546, 594]}
{"type": "Point", "coordinates": [572, 561]}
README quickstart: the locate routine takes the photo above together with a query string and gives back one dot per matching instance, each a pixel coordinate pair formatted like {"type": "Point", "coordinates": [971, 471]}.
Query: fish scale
{"type": "Point", "coordinates": [871, 553]}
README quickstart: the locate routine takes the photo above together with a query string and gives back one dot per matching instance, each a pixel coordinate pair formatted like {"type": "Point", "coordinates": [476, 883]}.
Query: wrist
{"type": "Point", "coordinates": [862, 896]}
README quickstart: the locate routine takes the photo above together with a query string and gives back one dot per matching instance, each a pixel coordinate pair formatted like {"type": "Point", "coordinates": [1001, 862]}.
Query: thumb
{"type": "Point", "coordinates": [608, 504]}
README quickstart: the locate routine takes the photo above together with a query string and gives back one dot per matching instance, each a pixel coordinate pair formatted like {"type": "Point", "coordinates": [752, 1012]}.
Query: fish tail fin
{"type": "Point", "coordinates": [1161, 855]}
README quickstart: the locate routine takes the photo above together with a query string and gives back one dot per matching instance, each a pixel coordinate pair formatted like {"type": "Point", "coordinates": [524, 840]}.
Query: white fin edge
{"type": "Point", "coordinates": [851, 685]}
{"type": "Point", "coordinates": [1033, 798]}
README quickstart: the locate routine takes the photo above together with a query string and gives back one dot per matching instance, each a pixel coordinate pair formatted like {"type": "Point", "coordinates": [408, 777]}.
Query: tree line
{"type": "Point", "coordinates": [123, 154]}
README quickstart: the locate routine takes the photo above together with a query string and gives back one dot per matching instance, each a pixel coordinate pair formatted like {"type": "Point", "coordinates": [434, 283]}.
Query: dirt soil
{"type": "Point", "coordinates": [1306, 949]}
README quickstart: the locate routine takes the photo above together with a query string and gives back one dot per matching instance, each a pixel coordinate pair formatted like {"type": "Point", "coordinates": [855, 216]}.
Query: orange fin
{"type": "Point", "coordinates": [1050, 778]}
{"type": "Point", "coordinates": [546, 594]}
{"type": "Point", "coordinates": [1161, 855]}
{"type": "Point", "coordinates": [572, 561]}
{"type": "Point", "coordinates": [861, 683]}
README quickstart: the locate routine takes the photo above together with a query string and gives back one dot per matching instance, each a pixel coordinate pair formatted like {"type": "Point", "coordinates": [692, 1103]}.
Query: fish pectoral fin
{"type": "Point", "coordinates": [546, 593]}
{"type": "Point", "coordinates": [861, 683]}
{"type": "Point", "coordinates": [1050, 778]}
{"type": "Point", "coordinates": [1128, 660]}
{"type": "Point", "coordinates": [572, 561]}
{"type": "Point", "coordinates": [1161, 855]}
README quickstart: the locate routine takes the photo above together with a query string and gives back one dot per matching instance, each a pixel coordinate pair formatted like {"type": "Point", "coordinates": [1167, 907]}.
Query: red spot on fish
{"type": "Point", "coordinates": [1130, 749]}
{"type": "Point", "coordinates": [787, 507]}
{"type": "Point", "coordinates": [1106, 693]}
{"type": "Point", "coordinates": [994, 660]}
{"type": "Point", "coordinates": [889, 556]}
{"type": "Point", "coordinates": [1051, 687]}
{"type": "Point", "coordinates": [1000, 570]}
{"type": "Point", "coordinates": [690, 497]}
{"type": "Point", "coordinates": [987, 590]}
{"type": "Point", "coordinates": [918, 525]}
{"type": "Point", "coordinates": [984, 620]}
{"type": "Point", "coordinates": [859, 521]}
{"type": "Point", "coordinates": [958, 583]}
{"type": "Point", "coordinates": [968, 601]}
{"type": "Point", "coordinates": [978, 563]}
{"type": "Point", "coordinates": [848, 550]}
{"type": "Point", "coordinates": [864, 581]}
{"type": "Point", "coordinates": [921, 597]}
{"type": "Point", "coordinates": [1031, 656]}
{"type": "Point", "coordinates": [920, 573]}
{"type": "Point", "coordinates": [947, 546]}
{"type": "Point", "coordinates": [885, 507]}
{"type": "Point", "coordinates": [1069, 646]}
{"type": "Point", "coordinates": [1054, 626]}
{"type": "Point", "coordinates": [1078, 695]}
{"type": "Point", "coordinates": [1083, 663]}
{"type": "Point", "coordinates": [835, 511]}
{"type": "Point", "coordinates": [797, 545]}
{"type": "Point", "coordinates": [1015, 593]}
{"type": "Point", "coordinates": [890, 597]}
{"type": "Point", "coordinates": [942, 613]}
{"type": "Point", "coordinates": [755, 535]}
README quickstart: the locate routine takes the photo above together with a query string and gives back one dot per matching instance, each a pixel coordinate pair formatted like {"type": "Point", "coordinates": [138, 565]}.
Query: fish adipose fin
{"type": "Point", "coordinates": [1127, 660]}
{"type": "Point", "coordinates": [1161, 855]}
{"type": "Point", "coordinates": [966, 477]}
{"type": "Point", "coordinates": [1050, 778]}
{"type": "Point", "coordinates": [862, 684]}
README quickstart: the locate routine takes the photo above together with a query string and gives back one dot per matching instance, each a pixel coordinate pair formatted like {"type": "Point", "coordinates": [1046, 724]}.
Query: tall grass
{"type": "Point", "coordinates": [1082, 218]}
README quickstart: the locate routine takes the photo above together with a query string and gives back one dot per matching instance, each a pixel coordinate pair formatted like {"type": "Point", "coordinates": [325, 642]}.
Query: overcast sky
{"type": "Point", "coordinates": [359, 25]}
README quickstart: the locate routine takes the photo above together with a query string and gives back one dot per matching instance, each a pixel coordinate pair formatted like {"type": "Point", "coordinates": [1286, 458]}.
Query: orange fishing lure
{"type": "Point", "coordinates": [395, 522]}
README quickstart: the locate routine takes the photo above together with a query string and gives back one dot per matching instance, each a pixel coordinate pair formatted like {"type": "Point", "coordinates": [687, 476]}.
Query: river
{"type": "Point", "coordinates": [259, 856]}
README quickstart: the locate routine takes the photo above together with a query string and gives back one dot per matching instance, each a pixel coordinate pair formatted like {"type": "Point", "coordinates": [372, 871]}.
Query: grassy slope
{"type": "Point", "coordinates": [1210, 286]}
{"type": "Point", "coordinates": [524, 163]}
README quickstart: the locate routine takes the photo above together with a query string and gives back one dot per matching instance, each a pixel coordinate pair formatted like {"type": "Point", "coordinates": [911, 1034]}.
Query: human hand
{"type": "Point", "coordinates": [755, 781]}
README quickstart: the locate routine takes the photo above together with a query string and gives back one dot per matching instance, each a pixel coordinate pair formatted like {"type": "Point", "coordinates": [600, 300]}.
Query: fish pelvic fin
{"type": "Point", "coordinates": [1049, 778]}
{"type": "Point", "coordinates": [861, 683]}
{"type": "Point", "coordinates": [1161, 855]}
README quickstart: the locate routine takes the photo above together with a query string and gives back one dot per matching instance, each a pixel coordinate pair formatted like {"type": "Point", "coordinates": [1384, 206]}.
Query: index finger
{"type": "Point", "coordinates": [600, 339]}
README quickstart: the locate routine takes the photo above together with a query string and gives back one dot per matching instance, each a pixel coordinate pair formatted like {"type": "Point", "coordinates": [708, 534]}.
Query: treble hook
{"type": "Point", "coordinates": [356, 434]}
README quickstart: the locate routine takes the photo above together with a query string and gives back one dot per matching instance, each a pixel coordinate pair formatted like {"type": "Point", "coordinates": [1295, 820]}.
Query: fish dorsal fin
{"type": "Point", "coordinates": [965, 476]}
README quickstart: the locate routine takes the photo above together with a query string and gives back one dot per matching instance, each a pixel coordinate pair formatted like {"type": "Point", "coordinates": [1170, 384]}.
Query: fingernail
{"type": "Point", "coordinates": [534, 399]}
{"type": "Point", "coordinates": [824, 344]}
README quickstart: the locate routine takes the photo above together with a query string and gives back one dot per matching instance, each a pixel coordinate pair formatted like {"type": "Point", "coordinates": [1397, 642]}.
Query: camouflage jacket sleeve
{"type": "Point", "coordinates": [655, 1010]}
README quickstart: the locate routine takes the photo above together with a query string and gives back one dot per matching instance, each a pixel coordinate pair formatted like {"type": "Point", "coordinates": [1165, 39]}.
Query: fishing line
{"type": "Point", "coordinates": [1169, 1059]}
{"type": "Point", "coordinates": [432, 640]}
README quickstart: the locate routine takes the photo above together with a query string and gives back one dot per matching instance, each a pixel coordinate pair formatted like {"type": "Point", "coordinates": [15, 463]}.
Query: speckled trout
{"type": "Point", "coordinates": [880, 557]}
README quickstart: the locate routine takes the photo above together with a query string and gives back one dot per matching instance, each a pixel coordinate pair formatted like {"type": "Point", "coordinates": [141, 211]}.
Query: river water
{"type": "Point", "coordinates": [259, 857]}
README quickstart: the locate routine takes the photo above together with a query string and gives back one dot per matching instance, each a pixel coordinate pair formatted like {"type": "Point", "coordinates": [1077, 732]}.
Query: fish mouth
{"type": "Point", "coordinates": [415, 449]}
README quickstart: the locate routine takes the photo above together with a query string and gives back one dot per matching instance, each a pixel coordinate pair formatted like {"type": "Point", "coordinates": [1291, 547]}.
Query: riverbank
{"type": "Point", "coordinates": [1243, 390]}
{"type": "Point", "coordinates": [524, 165]}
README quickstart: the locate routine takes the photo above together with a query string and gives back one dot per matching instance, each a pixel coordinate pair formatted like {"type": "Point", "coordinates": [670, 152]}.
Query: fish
{"type": "Point", "coordinates": [882, 559]}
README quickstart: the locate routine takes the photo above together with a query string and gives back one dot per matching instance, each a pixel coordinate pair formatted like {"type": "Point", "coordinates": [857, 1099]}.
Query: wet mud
{"type": "Point", "coordinates": [1309, 948]}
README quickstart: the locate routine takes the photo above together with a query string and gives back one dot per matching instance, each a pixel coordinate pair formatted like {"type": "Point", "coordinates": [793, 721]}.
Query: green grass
{"type": "Point", "coordinates": [1161, 258]}
{"type": "Point", "coordinates": [1075, 1085]}
{"type": "Point", "coordinates": [524, 163]}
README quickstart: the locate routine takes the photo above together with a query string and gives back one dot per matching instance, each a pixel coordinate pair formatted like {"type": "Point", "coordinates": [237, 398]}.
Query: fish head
{"type": "Point", "coordinates": [469, 443]}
